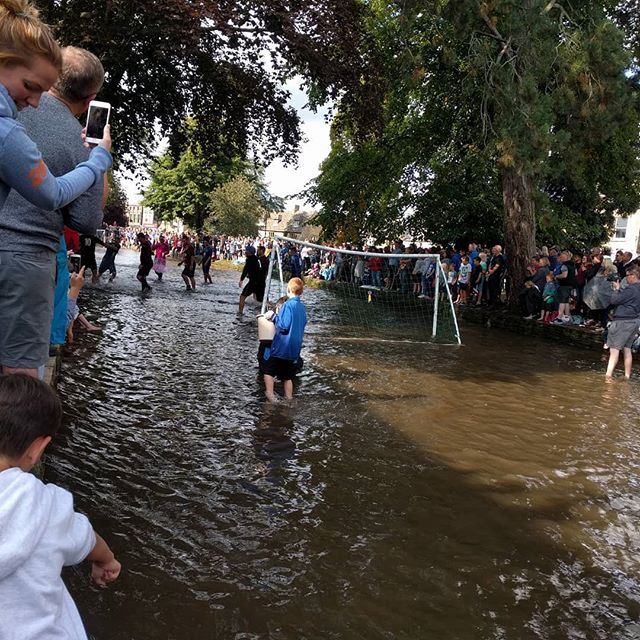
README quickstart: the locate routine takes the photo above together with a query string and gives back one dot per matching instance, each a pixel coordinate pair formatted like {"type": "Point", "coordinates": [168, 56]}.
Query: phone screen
{"type": "Point", "coordinates": [75, 262]}
{"type": "Point", "coordinates": [97, 121]}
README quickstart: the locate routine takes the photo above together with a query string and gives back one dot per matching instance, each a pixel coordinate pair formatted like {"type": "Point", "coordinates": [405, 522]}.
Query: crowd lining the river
{"type": "Point", "coordinates": [561, 288]}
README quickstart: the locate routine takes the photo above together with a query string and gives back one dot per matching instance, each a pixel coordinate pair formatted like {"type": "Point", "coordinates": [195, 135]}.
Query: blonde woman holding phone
{"type": "Point", "coordinates": [30, 60]}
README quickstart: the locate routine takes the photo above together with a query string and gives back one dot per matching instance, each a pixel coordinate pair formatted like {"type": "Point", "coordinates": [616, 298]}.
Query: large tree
{"type": "Point", "coordinates": [517, 111]}
{"type": "Point", "coordinates": [181, 187]}
{"type": "Point", "coordinates": [236, 208]}
{"type": "Point", "coordinates": [558, 110]}
{"type": "Point", "coordinates": [221, 61]}
{"type": "Point", "coordinates": [115, 210]}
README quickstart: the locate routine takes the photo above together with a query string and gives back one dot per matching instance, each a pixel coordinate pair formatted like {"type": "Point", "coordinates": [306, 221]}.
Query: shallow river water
{"type": "Point", "coordinates": [411, 491]}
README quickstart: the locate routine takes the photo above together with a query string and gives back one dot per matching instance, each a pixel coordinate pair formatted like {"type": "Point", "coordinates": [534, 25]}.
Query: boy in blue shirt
{"type": "Point", "coordinates": [280, 359]}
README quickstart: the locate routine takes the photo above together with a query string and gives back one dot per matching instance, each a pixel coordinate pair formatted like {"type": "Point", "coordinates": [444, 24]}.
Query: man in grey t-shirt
{"type": "Point", "coordinates": [29, 236]}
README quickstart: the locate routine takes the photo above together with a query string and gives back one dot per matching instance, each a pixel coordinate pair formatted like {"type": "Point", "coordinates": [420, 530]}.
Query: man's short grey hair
{"type": "Point", "coordinates": [82, 74]}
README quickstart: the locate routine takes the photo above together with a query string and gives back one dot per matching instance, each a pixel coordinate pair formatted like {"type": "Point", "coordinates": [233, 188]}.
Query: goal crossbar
{"type": "Point", "coordinates": [353, 252]}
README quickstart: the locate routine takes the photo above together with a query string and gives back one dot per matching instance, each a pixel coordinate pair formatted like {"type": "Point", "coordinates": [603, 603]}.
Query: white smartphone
{"type": "Point", "coordinates": [97, 120]}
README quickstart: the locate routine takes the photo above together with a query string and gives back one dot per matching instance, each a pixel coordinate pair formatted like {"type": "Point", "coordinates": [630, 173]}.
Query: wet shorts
{"type": "Point", "coordinates": [107, 264]}
{"type": "Point", "coordinates": [27, 286]}
{"type": "Point", "coordinates": [189, 272]}
{"type": "Point", "coordinates": [622, 333]}
{"type": "Point", "coordinates": [88, 261]}
{"type": "Point", "coordinates": [279, 368]}
{"type": "Point", "coordinates": [144, 270]}
{"type": "Point", "coordinates": [251, 288]}
{"type": "Point", "coordinates": [564, 295]}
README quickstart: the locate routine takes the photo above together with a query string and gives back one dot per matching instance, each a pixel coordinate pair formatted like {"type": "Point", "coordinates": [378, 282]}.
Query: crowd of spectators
{"type": "Point", "coordinates": [561, 287]}
{"type": "Point", "coordinates": [472, 276]}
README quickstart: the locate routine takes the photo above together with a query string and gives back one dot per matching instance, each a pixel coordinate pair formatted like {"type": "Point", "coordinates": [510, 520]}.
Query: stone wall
{"type": "Point", "coordinates": [499, 319]}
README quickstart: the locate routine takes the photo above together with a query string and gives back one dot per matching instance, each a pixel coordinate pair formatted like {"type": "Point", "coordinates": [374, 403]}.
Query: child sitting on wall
{"type": "Point", "coordinates": [76, 282]}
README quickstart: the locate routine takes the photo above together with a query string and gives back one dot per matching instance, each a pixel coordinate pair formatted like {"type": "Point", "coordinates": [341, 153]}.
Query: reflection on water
{"type": "Point", "coordinates": [410, 490]}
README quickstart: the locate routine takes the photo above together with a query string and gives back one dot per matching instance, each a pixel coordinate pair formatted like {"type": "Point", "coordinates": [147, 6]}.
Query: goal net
{"type": "Point", "coordinates": [397, 296]}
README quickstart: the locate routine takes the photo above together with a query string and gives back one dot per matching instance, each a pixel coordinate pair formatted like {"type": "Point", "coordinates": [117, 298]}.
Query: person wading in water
{"type": "Point", "coordinates": [146, 261]}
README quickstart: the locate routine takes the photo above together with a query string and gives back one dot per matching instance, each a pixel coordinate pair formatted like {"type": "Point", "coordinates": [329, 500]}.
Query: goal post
{"type": "Point", "coordinates": [385, 293]}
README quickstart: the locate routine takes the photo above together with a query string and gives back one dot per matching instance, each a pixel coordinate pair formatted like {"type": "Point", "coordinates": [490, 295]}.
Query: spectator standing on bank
{"type": "Point", "coordinates": [464, 277]}
{"type": "Point", "coordinates": [623, 329]}
{"type": "Point", "coordinates": [566, 279]}
{"type": "Point", "coordinates": [31, 234]}
{"type": "Point", "coordinates": [375, 268]}
{"type": "Point", "coordinates": [494, 275]}
{"type": "Point", "coordinates": [295, 263]}
{"type": "Point", "coordinates": [625, 263]}
{"type": "Point", "coordinates": [597, 291]}
{"type": "Point", "coordinates": [30, 60]}
{"type": "Point", "coordinates": [539, 278]}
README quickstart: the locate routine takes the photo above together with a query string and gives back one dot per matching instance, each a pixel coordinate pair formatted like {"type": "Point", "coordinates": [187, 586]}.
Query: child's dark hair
{"type": "Point", "coordinates": [29, 409]}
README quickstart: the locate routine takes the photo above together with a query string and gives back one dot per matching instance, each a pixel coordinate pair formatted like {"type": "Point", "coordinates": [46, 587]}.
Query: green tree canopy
{"type": "Point", "coordinates": [220, 61]}
{"type": "Point", "coordinates": [522, 114]}
{"type": "Point", "coordinates": [182, 187]}
{"type": "Point", "coordinates": [236, 208]}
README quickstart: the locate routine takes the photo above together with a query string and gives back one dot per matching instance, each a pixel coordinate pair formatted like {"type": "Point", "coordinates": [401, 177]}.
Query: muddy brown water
{"type": "Point", "coordinates": [411, 491]}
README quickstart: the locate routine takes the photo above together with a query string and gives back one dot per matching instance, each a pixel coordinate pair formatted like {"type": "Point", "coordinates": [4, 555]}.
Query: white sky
{"type": "Point", "coordinates": [282, 181]}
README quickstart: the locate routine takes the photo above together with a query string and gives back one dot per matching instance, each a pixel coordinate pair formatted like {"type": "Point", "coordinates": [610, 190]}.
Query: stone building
{"type": "Point", "coordinates": [140, 216]}
{"type": "Point", "coordinates": [294, 224]}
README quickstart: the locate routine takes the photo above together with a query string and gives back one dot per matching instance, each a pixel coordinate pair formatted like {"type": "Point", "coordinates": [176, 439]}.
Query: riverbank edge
{"type": "Point", "coordinates": [508, 321]}
{"type": "Point", "coordinates": [52, 370]}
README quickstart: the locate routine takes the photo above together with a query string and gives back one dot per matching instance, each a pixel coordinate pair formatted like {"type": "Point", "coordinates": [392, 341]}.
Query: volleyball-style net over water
{"type": "Point", "coordinates": [384, 296]}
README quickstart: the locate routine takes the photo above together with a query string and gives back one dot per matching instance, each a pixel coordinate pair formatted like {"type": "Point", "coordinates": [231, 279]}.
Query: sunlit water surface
{"type": "Point", "coordinates": [411, 490]}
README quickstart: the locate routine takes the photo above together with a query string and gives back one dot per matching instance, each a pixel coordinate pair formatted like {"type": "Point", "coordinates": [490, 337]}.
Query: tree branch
{"type": "Point", "coordinates": [491, 26]}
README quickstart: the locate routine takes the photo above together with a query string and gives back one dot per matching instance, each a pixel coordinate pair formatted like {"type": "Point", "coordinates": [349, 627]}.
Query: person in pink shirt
{"type": "Point", "coordinates": [161, 250]}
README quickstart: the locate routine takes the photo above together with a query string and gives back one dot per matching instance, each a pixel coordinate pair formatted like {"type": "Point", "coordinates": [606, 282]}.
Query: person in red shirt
{"type": "Point", "coordinates": [375, 268]}
{"type": "Point", "coordinates": [72, 239]}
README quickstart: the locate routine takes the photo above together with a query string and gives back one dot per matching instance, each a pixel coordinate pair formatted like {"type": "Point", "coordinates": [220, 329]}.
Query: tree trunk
{"type": "Point", "coordinates": [519, 229]}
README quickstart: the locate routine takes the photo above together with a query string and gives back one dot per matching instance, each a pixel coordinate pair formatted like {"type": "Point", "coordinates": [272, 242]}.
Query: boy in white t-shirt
{"type": "Point", "coordinates": [39, 531]}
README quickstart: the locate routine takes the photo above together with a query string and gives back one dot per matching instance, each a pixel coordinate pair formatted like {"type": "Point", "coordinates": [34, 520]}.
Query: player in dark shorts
{"type": "Point", "coordinates": [146, 261]}
{"type": "Point", "coordinates": [207, 257]}
{"type": "Point", "coordinates": [254, 271]}
{"type": "Point", "coordinates": [88, 256]}
{"type": "Point", "coordinates": [109, 260]}
{"type": "Point", "coordinates": [188, 259]}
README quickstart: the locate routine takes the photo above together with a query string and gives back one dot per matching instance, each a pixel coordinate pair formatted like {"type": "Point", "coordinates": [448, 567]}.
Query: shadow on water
{"type": "Point", "coordinates": [410, 491]}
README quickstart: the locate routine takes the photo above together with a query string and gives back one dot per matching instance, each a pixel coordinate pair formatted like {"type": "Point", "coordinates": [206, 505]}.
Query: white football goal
{"type": "Point", "coordinates": [369, 294]}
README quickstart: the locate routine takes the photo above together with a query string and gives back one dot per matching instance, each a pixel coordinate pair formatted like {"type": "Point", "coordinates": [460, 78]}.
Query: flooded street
{"type": "Point", "coordinates": [411, 491]}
